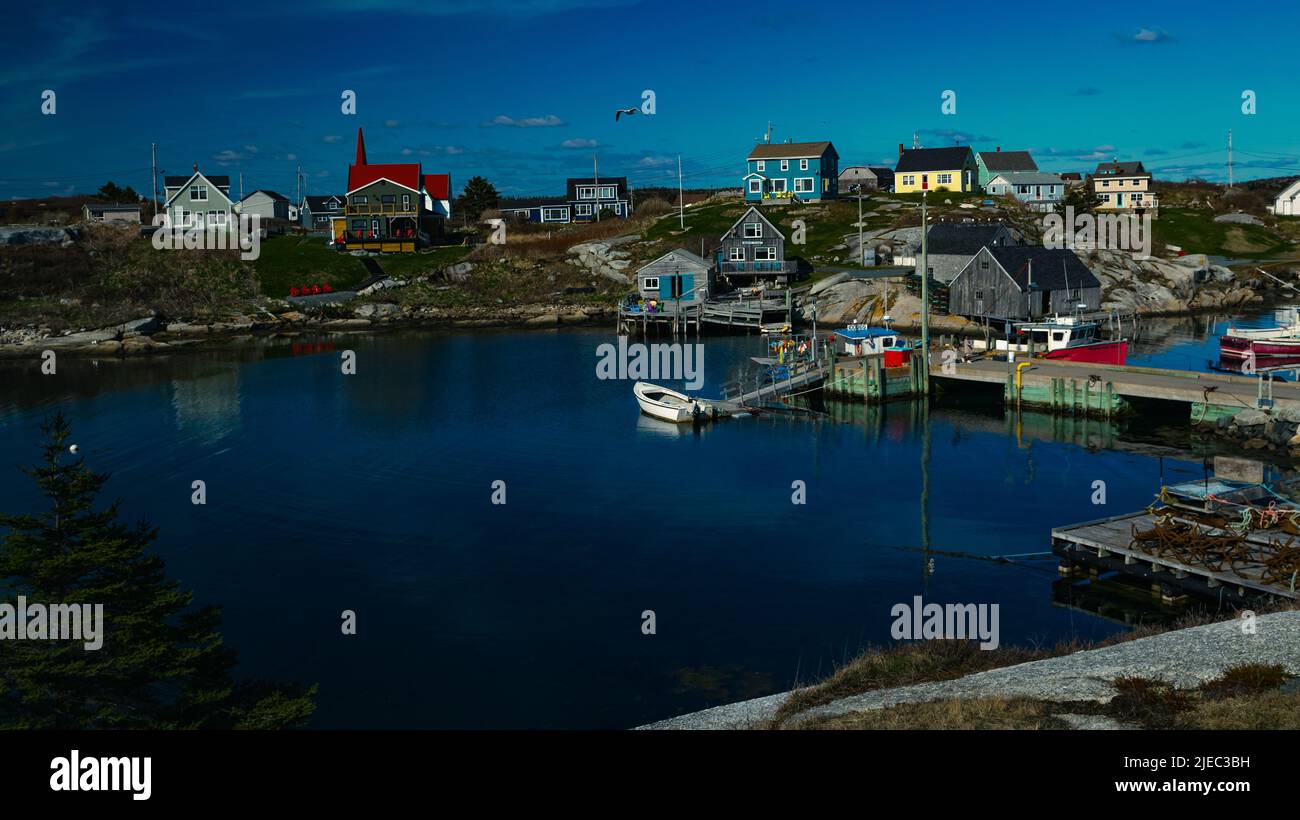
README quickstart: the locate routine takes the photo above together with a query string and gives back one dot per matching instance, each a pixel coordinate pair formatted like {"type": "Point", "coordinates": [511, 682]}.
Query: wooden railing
{"type": "Point", "coordinates": [382, 208]}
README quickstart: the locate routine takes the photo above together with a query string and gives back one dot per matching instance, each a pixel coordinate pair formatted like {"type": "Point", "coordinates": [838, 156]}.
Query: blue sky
{"type": "Point", "coordinates": [524, 92]}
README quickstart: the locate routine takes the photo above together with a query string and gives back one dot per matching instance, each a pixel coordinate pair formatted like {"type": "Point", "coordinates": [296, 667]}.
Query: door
{"type": "Point", "coordinates": [925, 181]}
{"type": "Point", "coordinates": [688, 285]}
{"type": "Point", "coordinates": [666, 286]}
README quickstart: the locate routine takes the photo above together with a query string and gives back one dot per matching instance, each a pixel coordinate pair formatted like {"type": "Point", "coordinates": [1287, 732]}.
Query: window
{"type": "Point", "coordinates": [785, 165]}
{"type": "Point", "coordinates": [1105, 183]}
{"type": "Point", "coordinates": [216, 217]}
{"type": "Point", "coordinates": [607, 192]}
{"type": "Point", "coordinates": [388, 199]}
{"type": "Point", "coordinates": [765, 253]}
{"type": "Point", "coordinates": [979, 296]}
{"type": "Point", "coordinates": [804, 185]}
{"type": "Point", "coordinates": [198, 193]}
{"type": "Point", "coordinates": [406, 202]}
{"type": "Point", "coordinates": [1058, 335]}
{"type": "Point", "coordinates": [759, 165]}
{"type": "Point", "coordinates": [778, 185]}
{"type": "Point", "coordinates": [943, 179]}
{"type": "Point", "coordinates": [736, 254]}
{"type": "Point", "coordinates": [803, 165]}
{"type": "Point", "coordinates": [587, 192]}
{"type": "Point", "coordinates": [753, 230]}
{"type": "Point", "coordinates": [756, 186]}
{"type": "Point", "coordinates": [984, 265]}
{"type": "Point", "coordinates": [582, 209]}
{"type": "Point", "coordinates": [651, 283]}
{"type": "Point", "coordinates": [359, 200]}
{"type": "Point", "coordinates": [909, 179]}
{"type": "Point", "coordinates": [555, 214]}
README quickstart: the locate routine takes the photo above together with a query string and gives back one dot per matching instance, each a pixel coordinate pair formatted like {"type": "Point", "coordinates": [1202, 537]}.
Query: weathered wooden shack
{"type": "Point", "coordinates": [1023, 282]}
{"type": "Point", "coordinates": [677, 277]}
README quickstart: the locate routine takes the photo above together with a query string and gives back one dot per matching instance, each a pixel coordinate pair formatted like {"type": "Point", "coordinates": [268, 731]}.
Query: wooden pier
{"type": "Point", "coordinates": [1106, 390]}
{"type": "Point", "coordinates": [1108, 545]}
{"type": "Point", "coordinates": [747, 313]}
{"type": "Point", "coordinates": [800, 379]}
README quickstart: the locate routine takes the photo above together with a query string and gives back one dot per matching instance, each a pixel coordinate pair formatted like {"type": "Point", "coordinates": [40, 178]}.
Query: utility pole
{"type": "Point", "coordinates": [299, 178]}
{"type": "Point", "coordinates": [925, 300]}
{"type": "Point", "coordinates": [153, 162]}
{"type": "Point", "coordinates": [862, 254]}
{"type": "Point", "coordinates": [241, 186]}
{"type": "Point", "coordinates": [681, 199]}
{"type": "Point", "coordinates": [1229, 157]}
{"type": "Point", "coordinates": [595, 181]}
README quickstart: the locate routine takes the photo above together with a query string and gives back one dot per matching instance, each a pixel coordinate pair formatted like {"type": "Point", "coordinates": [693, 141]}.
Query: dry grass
{"type": "Point", "coordinates": [1151, 703]}
{"type": "Point", "coordinates": [1270, 710]}
{"type": "Point", "coordinates": [984, 713]}
{"type": "Point", "coordinates": [1246, 679]}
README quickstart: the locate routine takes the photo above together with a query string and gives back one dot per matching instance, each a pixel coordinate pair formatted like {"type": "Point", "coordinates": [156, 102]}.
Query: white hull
{"type": "Point", "coordinates": [669, 405]}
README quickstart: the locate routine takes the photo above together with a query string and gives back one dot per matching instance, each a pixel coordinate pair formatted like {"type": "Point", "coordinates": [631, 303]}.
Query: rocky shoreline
{"type": "Point", "coordinates": [155, 334]}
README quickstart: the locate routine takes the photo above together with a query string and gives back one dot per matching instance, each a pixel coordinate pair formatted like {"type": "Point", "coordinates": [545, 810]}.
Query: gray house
{"type": "Point", "coordinates": [111, 214]}
{"type": "Point", "coordinates": [317, 213]}
{"type": "Point", "coordinates": [992, 163]}
{"type": "Point", "coordinates": [266, 205]}
{"type": "Point", "coordinates": [870, 177]}
{"type": "Point", "coordinates": [950, 246]}
{"type": "Point", "coordinates": [1023, 282]}
{"type": "Point", "coordinates": [753, 250]}
{"type": "Point", "coordinates": [199, 201]}
{"type": "Point", "coordinates": [678, 276]}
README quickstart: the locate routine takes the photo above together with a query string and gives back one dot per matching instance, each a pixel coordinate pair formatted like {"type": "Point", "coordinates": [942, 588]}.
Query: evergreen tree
{"type": "Point", "coordinates": [1082, 197]}
{"type": "Point", "coordinates": [162, 664]}
{"type": "Point", "coordinates": [479, 196]}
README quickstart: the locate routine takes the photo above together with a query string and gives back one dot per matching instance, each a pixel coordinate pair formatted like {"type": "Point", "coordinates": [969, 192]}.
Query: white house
{"type": "Point", "coordinates": [267, 205]}
{"type": "Point", "coordinates": [1287, 202]}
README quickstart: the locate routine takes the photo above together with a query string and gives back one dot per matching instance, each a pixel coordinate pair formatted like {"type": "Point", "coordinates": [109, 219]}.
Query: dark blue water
{"type": "Point", "coordinates": [373, 492]}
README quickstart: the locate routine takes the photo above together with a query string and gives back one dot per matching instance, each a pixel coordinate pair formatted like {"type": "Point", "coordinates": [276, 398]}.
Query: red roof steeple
{"type": "Point", "coordinates": [361, 148]}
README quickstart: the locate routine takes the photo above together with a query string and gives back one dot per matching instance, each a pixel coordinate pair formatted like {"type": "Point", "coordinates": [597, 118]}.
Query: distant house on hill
{"type": "Point", "coordinates": [1074, 179]}
{"type": "Point", "coordinates": [777, 173]}
{"type": "Point", "coordinates": [753, 250]}
{"type": "Point", "coordinates": [266, 205]}
{"type": "Point", "coordinates": [992, 163]}
{"type": "Point", "coordinates": [1123, 186]}
{"type": "Point", "coordinates": [1039, 191]}
{"type": "Point", "coordinates": [111, 214]}
{"type": "Point", "coordinates": [1287, 203]}
{"type": "Point", "coordinates": [199, 201]}
{"type": "Point", "coordinates": [870, 177]}
{"type": "Point", "coordinates": [317, 212]}
{"type": "Point", "coordinates": [951, 245]}
{"type": "Point", "coordinates": [590, 194]}
{"type": "Point", "coordinates": [1023, 282]}
{"type": "Point", "coordinates": [548, 209]}
{"type": "Point", "coordinates": [935, 169]}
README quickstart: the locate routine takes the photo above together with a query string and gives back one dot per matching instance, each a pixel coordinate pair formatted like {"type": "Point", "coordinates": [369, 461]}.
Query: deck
{"type": "Point", "coordinates": [1108, 544]}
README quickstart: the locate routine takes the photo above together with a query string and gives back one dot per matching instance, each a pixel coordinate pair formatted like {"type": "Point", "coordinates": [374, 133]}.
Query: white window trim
{"type": "Point", "coordinates": [759, 165]}
{"type": "Point", "coordinates": [765, 253]}
{"type": "Point", "coordinates": [736, 254]}
{"type": "Point", "coordinates": [757, 233]}
{"type": "Point", "coordinates": [756, 186]}
{"type": "Point", "coordinates": [651, 283]}
{"type": "Point", "coordinates": [582, 209]}
{"type": "Point", "coordinates": [803, 165]}
{"type": "Point", "coordinates": [563, 211]}
{"type": "Point", "coordinates": [785, 165]}
{"type": "Point", "coordinates": [195, 191]}
{"type": "Point", "coordinates": [778, 185]}
{"type": "Point", "coordinates": [812, 186]}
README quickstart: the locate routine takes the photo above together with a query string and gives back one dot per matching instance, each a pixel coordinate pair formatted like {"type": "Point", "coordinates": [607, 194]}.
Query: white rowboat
{"type": "Point", "coordinates": [669, 405]}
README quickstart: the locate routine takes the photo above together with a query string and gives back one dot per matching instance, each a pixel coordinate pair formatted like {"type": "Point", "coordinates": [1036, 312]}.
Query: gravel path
{"type": "Point", "coordinates": [1185, 658]}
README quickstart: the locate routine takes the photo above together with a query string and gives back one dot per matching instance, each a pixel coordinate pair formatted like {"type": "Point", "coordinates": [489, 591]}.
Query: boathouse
{"type": "Point", "coordinates": [677, 277]}
{"type": "Point", "coordinates": [1023, 282]}
{"type": "Point", "coordinates": [951, 245]}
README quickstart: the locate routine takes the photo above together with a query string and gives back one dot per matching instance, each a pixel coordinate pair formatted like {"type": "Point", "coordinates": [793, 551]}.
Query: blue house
{"type": "Point", "coordinates": [550, 209]}
{"type": "Point", "coordinates": [679, 277]}
{"type": "Point", "coordinates": [792, 172]}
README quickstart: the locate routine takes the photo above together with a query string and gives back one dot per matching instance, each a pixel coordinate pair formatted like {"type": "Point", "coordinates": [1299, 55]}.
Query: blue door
{"type": "Point", "coordinates": [688, 284]}
{"type": "Point", "coordinates": [666, 286]}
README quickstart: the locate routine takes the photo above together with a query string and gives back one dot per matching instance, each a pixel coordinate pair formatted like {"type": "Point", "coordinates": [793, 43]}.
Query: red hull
{"type": "Point", "coordinates": [1095, 353]}
{"type": "Point", "coordinates": [1235, 347]}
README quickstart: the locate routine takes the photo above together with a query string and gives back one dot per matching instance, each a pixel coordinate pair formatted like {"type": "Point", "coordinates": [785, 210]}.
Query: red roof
{"type": "Point", "coordinates": [438, 186]}
{"type": "Point", "coordinates": [403, 173]}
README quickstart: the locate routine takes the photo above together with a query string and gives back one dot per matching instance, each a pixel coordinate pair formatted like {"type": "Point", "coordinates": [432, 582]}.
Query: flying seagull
{"type": "Point", "coordinates": [620, 112]}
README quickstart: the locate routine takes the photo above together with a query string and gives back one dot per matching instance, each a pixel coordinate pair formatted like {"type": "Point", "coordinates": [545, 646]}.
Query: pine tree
{"type": "Point", "coordinates": [479, 196]}
{"type": "Point", "coordinates": [162, 664]}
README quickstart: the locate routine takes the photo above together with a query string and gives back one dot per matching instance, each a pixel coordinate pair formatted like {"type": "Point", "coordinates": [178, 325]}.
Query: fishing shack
{"type": "Point", "coordinates": [679, 277]}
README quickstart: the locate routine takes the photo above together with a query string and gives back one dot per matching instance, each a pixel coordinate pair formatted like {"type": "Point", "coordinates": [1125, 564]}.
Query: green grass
{"type": "Point", "coordinates": [290, 261]}
{"type": "Point", "coordinates": [1195, 231]}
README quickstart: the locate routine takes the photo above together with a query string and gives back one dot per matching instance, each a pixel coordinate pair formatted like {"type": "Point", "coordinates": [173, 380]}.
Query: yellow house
{"type": "Point", "coordinates": [1123, 186]}
{"type": "Point", "coordinates": [935, 169]}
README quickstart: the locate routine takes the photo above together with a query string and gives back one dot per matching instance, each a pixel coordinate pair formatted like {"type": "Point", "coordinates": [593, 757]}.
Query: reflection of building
{"type": "Point", "coordinates": [208, 406]}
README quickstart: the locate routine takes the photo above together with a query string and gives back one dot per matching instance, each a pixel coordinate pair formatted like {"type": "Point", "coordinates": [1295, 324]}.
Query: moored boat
{"type": "Point", "coordinates": [1068, 338]}
{"type": "Point", "coordinates": [669, 405]}
{"type": "Point", "coordinates": [1241, 348]}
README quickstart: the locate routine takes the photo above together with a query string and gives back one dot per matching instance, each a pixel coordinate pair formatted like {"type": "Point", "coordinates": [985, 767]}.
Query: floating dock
{"type": "Point", "coordinates": [1109, 545]}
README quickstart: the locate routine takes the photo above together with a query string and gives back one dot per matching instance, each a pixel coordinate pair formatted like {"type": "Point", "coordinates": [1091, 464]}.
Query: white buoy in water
{"type": "Point", "coordinates": [72, 449]}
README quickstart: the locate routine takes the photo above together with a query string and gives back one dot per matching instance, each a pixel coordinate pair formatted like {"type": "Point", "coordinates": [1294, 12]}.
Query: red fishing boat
{"type": "Point", "coordinates": [1064, 337]}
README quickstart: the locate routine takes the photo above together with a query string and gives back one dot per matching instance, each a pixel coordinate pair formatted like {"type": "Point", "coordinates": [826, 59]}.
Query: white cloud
{"type": "Point", "coordinates": [579, 143]}
{"type": "Point", "coordinates": [332, 138]}
{"type": "Point", "coordinates": [549, 121]}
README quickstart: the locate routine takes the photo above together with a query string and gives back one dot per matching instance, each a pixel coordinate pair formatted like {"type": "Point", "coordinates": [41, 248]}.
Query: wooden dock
{"type": "Point", "coordinates": [801, 379]}
{"type": "Point", "coordinates": [1105, 390]}
{"type": "Point", "coordinates": [1108, 545]}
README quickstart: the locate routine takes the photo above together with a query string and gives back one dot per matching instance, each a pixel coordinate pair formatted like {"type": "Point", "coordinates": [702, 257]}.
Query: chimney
{"type": "Point", "coordinates": [900, 150]}
{"type": "Point", "coordinates": [999, 148]}
{"type": "Point", "coordinates": [196, 167]}
{"type": "Point", "coordinates": [1031, 274]}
